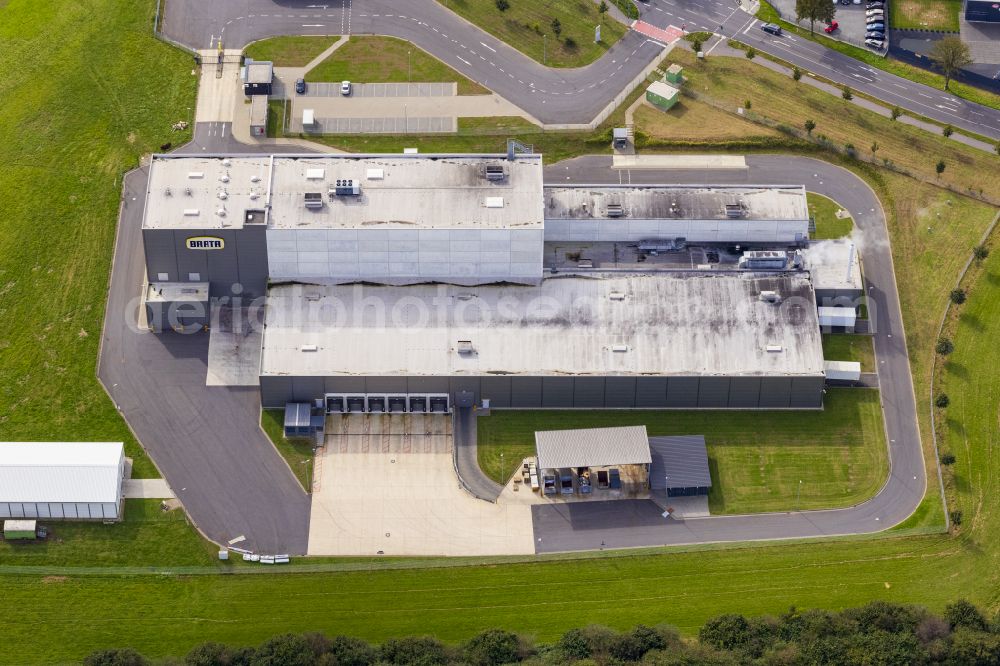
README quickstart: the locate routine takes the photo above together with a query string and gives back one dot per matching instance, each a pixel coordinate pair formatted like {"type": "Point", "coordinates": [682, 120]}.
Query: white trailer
{"type": "Point", "coordinates": [847, 371]}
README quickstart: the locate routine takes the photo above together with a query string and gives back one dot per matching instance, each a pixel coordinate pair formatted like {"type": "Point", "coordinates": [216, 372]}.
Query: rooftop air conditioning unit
{"type": "Point", "coordinates": [465, 347]}
{"type": "Point", "coordinates": [495, 172]}
{"type": "Point", "coordinates": [617, 296]}
{"type": "Point", "coordinates": [615, 210]}
{"type": "Point", "coordinates": [773, 348]}
{"type": "Point", "coordinates": [309, 348]}
{"type": "Point", "coordinates": [619, 348]}
{"type": "Point", "coordinates": [770, 296]}
{"type": "Point", "coordinates": [345, 187]}
{"type": "Point", "coordinates": [314, 199]}
{"type": "Point", "coordinates": [734, 210]}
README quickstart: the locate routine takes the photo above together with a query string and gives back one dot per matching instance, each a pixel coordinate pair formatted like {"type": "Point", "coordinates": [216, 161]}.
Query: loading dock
{"type": "Point", "coordinates": [391, 403]}
{"type": "Point", "coordinates": [597, 462]}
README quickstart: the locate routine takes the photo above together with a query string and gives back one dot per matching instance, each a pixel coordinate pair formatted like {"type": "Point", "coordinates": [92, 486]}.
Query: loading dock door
{"type": "Point", "coordinates": [397, 404]}
{"type": "Point", "coordinates": [376, 404]}
{"type": "Point", "coordinates": [356, 403]}
{"type": "Point", "coordinates": [439, 405]}
{"type": "Point", "coordinates": [418, 403]}
{"type": "Point", "coordinates": [335, 404]}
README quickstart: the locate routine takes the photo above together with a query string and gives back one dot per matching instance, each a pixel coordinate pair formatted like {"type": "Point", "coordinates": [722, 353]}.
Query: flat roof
{"type": "Point", "coordinates": [421, 191]}
{"type": "Point", "coordinates": [60, 471]}
{"type": "Point", "coordinates": [592, 447]}
{"type": "Point", "coordinates": [604, 324]}
{"type": "Point", "coordinates": [176, 292]}
{"type": "Point", "coordinates": [679, 461]}
{"type": "Point", "coordinates": [259, 71]}
{"type": "Point", "coordinates": [258, 109]}
{"type": "Point", "coordinates": [833, 264]}
{"type": "Point", "coordinates": [679, 202]}
{"type": "Point", "coordinates": [664, 90]}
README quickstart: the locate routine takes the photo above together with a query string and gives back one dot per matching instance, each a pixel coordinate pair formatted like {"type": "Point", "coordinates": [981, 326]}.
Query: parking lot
{"type": "Point", "coordinates": [386, 484]}
{"type": "Point", "coordinates": [850, 19]}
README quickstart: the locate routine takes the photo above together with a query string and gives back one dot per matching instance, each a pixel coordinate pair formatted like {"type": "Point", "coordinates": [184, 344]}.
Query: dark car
{"type": "Point", "coordinates": [771, 28]}
{"type": "Point", "coordinates": [874, 34]}
{"type": "Point", "coordinates": [300, 86]}
{"type": "Point", "coordinates": [876, 27]}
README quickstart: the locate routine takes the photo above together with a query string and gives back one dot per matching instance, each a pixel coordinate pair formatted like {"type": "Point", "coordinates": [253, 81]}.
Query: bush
{"type": "Point", "coordinates": [956, 518]}
{"type": "Point", "coordinates": [726, 632]}
{"type": "Point", "coordinates": [347, 651]}
{"type": "Point", "coordinates": [209, 654]}
{"type": "Point", "coordinates": [944, 346]}
{"type": "Point", "coordinates": [948, 459]}
{"type": "Point", "coordinates": [502, 5]}
{"type": "Point", "coordinates": [747, 104]}
{"type": "Point", "coordinates": [810, 125]}
{"type": "Point", "coordinates": [569, 43]}
{"type": "Point", "coordinates": [939, 167]}
{"type": "Point", "coordinates": [847, 94]}
{"type": "Point", "coordinates": [284, 650]}
{"type": "Point", "coordinates": [948, 130]}
{"type": "Point", "coordinates": [556, 27]}
{"type": "Point", "coordinates": [963, 613]}
{"type": "Point", "coordinates": [493, 647]}
{"type": "Point", "coordinates": [980, 252]}
{"type": "Point", "coordinates": [957, 296]}
{"type": "Point", "coordinates": [115, 657]}
{"type": "Point", "coordinates": [796, 73]}
{"type": "Point", "coordinates": [574, 645]}
{"type": "Point", "coordinates": [851, 151]}
{"type": "Point", "coordinates": [751, 53]}
{"type": "Point", "coordinates": [942, 400]}
{"type": "Point", "coordinates": [895, 113]}
{"type": "Point", "coordinates": [414, 651]}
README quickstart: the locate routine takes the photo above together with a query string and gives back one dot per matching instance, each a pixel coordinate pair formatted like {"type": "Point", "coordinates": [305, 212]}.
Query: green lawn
{"type": "Point", "coordinates": [388, 60]}
{"type": "Point", "coordinates": [925, 14]}
{"type": "Point", "coordinates": [757, 458]}
{"type": "Point", "coordinates": [289, 50]}
{"type": "Point", "coordinates": [932, 79]}
{"type": "Point", "coordinates": [858, 348]}
{"type": "Point", "coordinates": [146, 537]}
{"type": "Point", "coordinates": [298, 453]}
{"type": "Point", "coordinates": [85, 91]}
{"type": "Point", "coordinates": [527, 26]}
{"type": "Point", "coordinates": [824, 211]}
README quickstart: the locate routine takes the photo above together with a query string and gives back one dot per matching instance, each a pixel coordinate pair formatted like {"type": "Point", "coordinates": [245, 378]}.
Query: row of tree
{"type": "Point", "coordinates": [878, 634]}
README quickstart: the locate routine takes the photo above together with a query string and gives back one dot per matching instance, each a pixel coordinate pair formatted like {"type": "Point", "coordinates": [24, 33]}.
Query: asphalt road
{"type": "Point", "coordinates": [714, 16]}
{"type": "Point", "coordinates": [550, 95]}
{"type": "Point", "coordinates": [588, 526]}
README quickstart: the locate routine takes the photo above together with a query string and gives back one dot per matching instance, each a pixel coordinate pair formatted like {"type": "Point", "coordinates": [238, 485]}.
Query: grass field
{"type": "Point", "coordinates": [298, 453]}
{"type": "Point", "coordinates": [858, 348]}
{"type": "Point", "coordinates": [925, 14]}
{"type": "Point", "coordinates": [289, 50]}
{"type": "Point", "coordinates": [690, 121]}
{"type": "Point", "coordinates": [146, 537]}
{"type": "Point", "coordinates": [779, 101]}
{"type": "Point", "coordinates": [932, 79]}
{"type": "Point", "coordinates": [824, 211]}
{"type": "Point", "coordinates": [527, 26]}
{"type": "Point", "coordinates": [80, 100]}
{"type": "Point", "coordinates": [388, 60]}
{"type": "Point", "coordinates": [757, 458]}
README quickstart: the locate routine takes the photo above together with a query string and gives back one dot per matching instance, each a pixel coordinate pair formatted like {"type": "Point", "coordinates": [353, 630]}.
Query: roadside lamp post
{"type": "Point", "coordinates": [545, 41]}
{"type": "Point", "coordinates": [798, 494]}
{"type": "Point", "coordinates": [409, 70]}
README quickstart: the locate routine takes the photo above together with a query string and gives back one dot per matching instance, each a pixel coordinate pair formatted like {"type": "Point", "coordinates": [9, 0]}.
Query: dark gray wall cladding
{"type": "Point", "coordinates": [682, 392]}
{"type": "Point", "coordinates": [588, 392]}
{"type": "Point", "coordinates": [458, 384]}
{"type": "Point", "coordinates": [251, 250]}
{"type": "Point", "coordinates": [619, 392]}
{"type": "Point", "coordinates": [713, 392]}
{"type": "Point", "coordinates": [744, 392]}
{"type": "Point", "coordinates": [344, 385]}
{"type": "Point", "coordinates": [838, 297]}
{"type": "Point", "coordinates": [305, 389]}
{"type": "Point", "coordinates": [161, 253]}
{"type": "Point", "coordinates": [386, 385]}
{"type": "Point", "coordinates": [275, 391]}
{"type": "Point", "coordinates": [526, 392]}
{"type": "Point", "coordinates": [497, 389]}
{"type": "Point", "coordinates": [806, 392]}
{"type": "Point", "coordinates": [427, 385]}
{"type": "Point", "coordinates": [557, 391]}
{"type": "Point", "coordinates": [650, 391]}
{"type": "Point", "coordinates": [775, 391]}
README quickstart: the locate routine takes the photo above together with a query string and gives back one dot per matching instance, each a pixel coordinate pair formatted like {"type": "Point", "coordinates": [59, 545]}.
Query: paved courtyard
{"type": "Point", "coordinates": [386, 484]}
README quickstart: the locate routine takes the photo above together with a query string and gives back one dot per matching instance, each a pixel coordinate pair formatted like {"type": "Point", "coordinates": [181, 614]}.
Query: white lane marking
{"type": "Point", "coordinates": [489, 47]}
{"type": "Point", "coordinates": [464, 60]}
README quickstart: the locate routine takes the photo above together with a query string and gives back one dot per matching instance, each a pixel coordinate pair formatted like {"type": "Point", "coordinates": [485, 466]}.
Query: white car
{"type": "Point", "coordinates": [875, 12]}
{"type": "Point", "coordinates": [345, 88]}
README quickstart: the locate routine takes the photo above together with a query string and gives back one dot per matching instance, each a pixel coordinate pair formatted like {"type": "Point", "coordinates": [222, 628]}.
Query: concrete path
{"type": "Point", "coordinates": [467, 458]}
{"type": "Point", "coordinates": [146, 489]}
{"type": "Point", "coordinates": [686, 162]}
{"type": "Point", "coordinates": [217, 95]}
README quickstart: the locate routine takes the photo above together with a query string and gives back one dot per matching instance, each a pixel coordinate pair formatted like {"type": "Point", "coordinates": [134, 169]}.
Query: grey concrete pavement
{"type": "Point", "coordinates": [590, 525]}
{"type": "Point", "coordinates": [467, 458]}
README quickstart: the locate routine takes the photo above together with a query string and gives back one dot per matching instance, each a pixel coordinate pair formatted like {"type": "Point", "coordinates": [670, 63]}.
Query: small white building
{"type": "Point", "coordinates": [69, 480]}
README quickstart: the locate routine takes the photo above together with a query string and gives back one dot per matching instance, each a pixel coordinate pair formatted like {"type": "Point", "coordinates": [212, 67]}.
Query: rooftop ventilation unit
{"type": "Point", "coordinates": [734, 210]}
{"type": "Point", "coordinates": [315, 174]}
{"type": "Point", "coordinates": [196, 174]}
{"type": "Point", "coordinates": [314, 199]}
{"type": "Point", "coordinates": [619, 348]}
{"type": "Point", "coordinates": [189, 290]}
{"type": "Point", "coordinates": [312, 296]}
{"type": "Point", "coordinates": [191, 212]}
{"type": "Point", "coordinates": [770, 297]}
{"type": "Point", "coordinates": [345, 187]}
{"type": "Point", "coordinates": [617, 296]}
{"type": "Point", "coordinates": [187, 191]}
{"type": "Point", "coordinates": [495, 172]}
{"type": "Point", "coordinates": [465, 347]}
{"type": "Point", "coordinates": [309, 348]}
{"type": "Point", "coordinates": [774, 348]}
{"type": "Point", "coordinates": [375, 174]}
{"type": "Point", "coordinates": [494, 202]}
{"type": "Point", "coordinates": [615, 210]}
{"type": "Point", "coordinates": [764, 260]}
{"type": "Point", "coordinates": [167, 192]}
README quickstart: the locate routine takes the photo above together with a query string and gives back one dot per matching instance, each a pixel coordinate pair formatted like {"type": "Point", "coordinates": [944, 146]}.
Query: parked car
{"type": "Point", "coordinates": [549, 483]}
{"type": "Point", "coordinates": [771, 28]}
{"type": "Point", "coordinates": [877, 27]}
{"type": "Point", "coordinates": [566, 482]}
{"type": "Point", "coordinates": [300, 86]}
{"type": "Point", "coordinates": [874, 34]}
{"type": "Point", "coordinates": [874, 12]}
{"type": "Point", "coordinates": [833, 27]}
{"type": "Point", "coordinates": [875, 43]}
{"type": "Point", "coordinates": [345, 88]}
{"type": "Point", "coordinates": [875, 5]}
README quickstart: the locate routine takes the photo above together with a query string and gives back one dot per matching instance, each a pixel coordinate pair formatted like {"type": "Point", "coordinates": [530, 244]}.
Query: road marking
{"type": "Point", "coordinates": [489, 47]}
{"type": "Point", "coordinates": [464, 60]}
{"type": "Point", "coordinates": [312, 25]}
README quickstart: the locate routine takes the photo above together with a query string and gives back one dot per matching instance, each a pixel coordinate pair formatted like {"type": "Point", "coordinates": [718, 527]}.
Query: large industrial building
{"type": "Point", "coordinates": [414, 282]}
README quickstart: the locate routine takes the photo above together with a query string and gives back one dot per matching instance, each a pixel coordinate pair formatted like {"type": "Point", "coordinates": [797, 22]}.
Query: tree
{"type": "Point", "coordinates": [939, 167]}
{"type": "Point", "coordinates": [574, 645]}
{"type": "Point", "coordinates": [874, 147]}
{"type": "Point", "coordinates": [944, 346]}
{"type": "Point", "coordinates": [115, 657]}
{"type": "Point", "coordinates": [603, 7]}
{"type": "Point", "coordinates": [847, 94]}
{"type": "Point", "coordinates": [348, 651]}
{"type": "Point", "coordinates": [957, 296]}
{"type": "Point", "coordinates": [747, 104]}
{"type": "Point", "coordinates": [948, 130]}
{"type": "Point", "coordinates": [980, 252]}
{"type": "Point", "coordinates": [750, 53]}
{"type": "Point", "coordinates": [284, 650]}
{"type": "Point", "coordinates": [815, 10]}
{"type": "Point", "coordinates": [696, 43]}
{"type": "Point", "coordinates": [796, 73]}
{"type": "Point", "coordinates": [963, 613]}
{"type": "Point", "coordinates": [950, 55]}
{"type": "Point", "coordinates": [942, 400]}
{"type": "Point", "coordinates": [948, 459]}
{"type": "Point", "coordinates": [895, 113]}
{"type": "Point", "coordinates": [810, 126]}
{"type": "Point", "coordinates": [726, 632]}
{"type": "Point", "coordinates": [493, 647]}
{"type": "Point", "coordinates": [209, 654]}
{"type": "Point", "coordinates": [502, 5]}
{"type": "Point", "coordinates": [556, 27]}
{"type": "Point", "coordinates": [423, 650]}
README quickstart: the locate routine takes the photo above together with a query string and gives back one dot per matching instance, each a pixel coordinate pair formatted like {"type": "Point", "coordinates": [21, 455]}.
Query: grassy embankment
{"type": "Point", "coordinates": [824, 212]}
{"type": "Point", "coordinates": [289, 50]}
{"type": "Point", "coordinates": [297, 452]}
{"type": "Point", "coordinates": [925, 14]}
